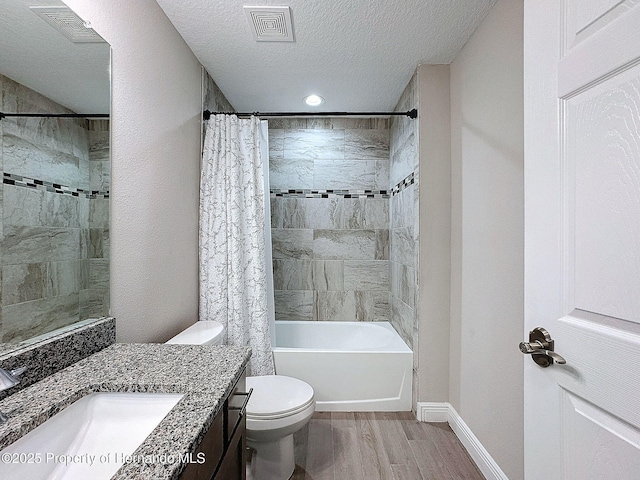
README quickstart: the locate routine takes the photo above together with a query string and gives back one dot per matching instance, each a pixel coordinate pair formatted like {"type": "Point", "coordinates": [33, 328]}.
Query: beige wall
{"type": "Point", "coordinates": [156, 123]}
{"type": "Point", "coordinates": [486, 369]}
{"type": "Point", "coordinates": [434, 233]}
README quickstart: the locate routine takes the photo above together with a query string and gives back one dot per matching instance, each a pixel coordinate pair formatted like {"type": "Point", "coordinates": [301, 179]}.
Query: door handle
{"type": "Point", "coordinates": [540, 347]}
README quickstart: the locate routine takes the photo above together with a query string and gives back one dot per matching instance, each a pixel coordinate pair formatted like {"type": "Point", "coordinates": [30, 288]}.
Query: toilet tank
{"type": "Point", "coordinates": [205, 332]}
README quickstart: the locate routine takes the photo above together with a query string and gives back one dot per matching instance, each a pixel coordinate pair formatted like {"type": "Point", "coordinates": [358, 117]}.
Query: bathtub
{"type": "Point", "coordinates": [352, 366]}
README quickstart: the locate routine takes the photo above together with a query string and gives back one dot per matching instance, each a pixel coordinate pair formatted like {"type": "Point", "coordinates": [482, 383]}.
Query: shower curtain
{"type": "Point", "coordinates": [233, 271]}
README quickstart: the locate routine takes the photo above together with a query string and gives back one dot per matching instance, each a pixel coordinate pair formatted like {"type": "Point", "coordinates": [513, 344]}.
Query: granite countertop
{"type": "Point", "coordinates": [205, 374]}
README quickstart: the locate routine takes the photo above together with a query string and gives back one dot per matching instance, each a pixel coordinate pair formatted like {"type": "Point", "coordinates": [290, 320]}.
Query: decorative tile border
{"type": "Point", "coordinates": [408, 181]}
{"type": "Point", "coordinates": [44, 185]}
{"type": "Point", "coordinates": [307, 193]}
{"type": "Point", "coordinates": [304, 193]}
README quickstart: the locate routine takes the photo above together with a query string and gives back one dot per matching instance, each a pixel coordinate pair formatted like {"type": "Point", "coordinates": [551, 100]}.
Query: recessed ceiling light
{"type": "Point", "coordinates": [313, 100]}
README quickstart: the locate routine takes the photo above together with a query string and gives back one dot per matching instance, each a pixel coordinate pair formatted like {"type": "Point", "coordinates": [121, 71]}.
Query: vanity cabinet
{"type": "Point", "coordinates": [224, 444]}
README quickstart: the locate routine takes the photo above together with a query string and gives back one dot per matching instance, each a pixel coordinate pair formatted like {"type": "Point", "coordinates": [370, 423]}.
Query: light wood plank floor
{"type": "Point", "coordinates": [385, 446]}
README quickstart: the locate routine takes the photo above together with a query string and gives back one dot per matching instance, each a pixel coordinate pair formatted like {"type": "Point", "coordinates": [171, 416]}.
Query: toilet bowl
{"type": "Point", "coordinates": [278, 407]}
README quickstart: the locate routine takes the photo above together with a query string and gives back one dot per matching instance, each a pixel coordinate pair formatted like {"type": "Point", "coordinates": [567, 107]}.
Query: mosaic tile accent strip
{"type": "Point", "coordinates": [308, 193]}
{"type": "Point", "coordinates": [408, 181]}
{"type": "Point", "coordinates": [20, 181]}
{"type": "Point", "coordinates": [305, 193]}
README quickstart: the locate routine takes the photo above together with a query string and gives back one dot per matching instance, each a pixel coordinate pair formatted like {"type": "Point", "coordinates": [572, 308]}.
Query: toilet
{"type": "Point", "coordinates": [278, 407]}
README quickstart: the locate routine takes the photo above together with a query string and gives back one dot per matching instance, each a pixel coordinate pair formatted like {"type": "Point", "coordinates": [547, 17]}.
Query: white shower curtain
{"type": "Point", "coordinates": [233, 272]}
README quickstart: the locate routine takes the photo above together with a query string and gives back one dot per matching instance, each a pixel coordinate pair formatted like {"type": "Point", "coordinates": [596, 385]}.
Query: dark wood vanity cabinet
{"type": "Point", "coordinates": [224, 444]}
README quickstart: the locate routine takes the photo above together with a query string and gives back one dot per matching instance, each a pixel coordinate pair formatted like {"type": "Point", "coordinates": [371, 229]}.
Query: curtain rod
{"type": "Point", "coordinates": [411, 114]}
{"type": "Point", "coordinates": [55, 115]}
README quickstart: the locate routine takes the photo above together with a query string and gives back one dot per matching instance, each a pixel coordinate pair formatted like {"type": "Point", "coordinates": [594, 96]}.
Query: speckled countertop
{"type": "Point", "coordinates": [205, 374]}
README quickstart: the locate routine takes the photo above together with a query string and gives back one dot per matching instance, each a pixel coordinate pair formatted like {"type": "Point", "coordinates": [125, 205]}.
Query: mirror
{"type": "Point", "coordinates": [54, 199]}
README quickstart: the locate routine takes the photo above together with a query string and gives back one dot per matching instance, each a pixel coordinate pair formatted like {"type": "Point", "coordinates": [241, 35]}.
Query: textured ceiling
{"type": "Point", "coordinates": [36, 55]}
{"type": "Point", "coordinates": [358, 54]}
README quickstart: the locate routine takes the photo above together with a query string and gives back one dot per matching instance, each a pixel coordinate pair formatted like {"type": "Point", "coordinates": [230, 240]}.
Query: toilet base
{"type": "Point", "coordinates": [272, 460]}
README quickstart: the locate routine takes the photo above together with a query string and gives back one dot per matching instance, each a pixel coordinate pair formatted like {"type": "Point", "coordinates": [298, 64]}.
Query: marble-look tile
{"type": "Point", "coordinates": [40, 244]}
{"type": "Point", "coordinates": [345, 213]}
{"type": "Point", "coordinates": [307, 275]}
{"type": "Point", "coordinates": [22, 283]}
{"type": "Point", "coordinates": [22, 157]}
{"type": "Point", "coordinates": [294, 305]}
{"type": "Point", "coordinates": [28, 319]}
{"type": "Point", "coordinates": [403, 211]}
{"type": "Point", "coordinates": [99, 176]}
{"type": "Point", "coordinates": [276, 144]}
{"type": "Point", "coordinates": [344, 174]}
{"type": "Point", "coordinates": [84, 274]}
{"type": "Point", "coordinates": [291, 173]}
{"type": "Point", "coordinates": [337, 306]}
{"type": "Point", "coordinates": [327, 275]}
{"type": "Point", "coordinates": [383, 175]}
{"type": "Point", "coordinates": [64, 211]}
{"type": "Point", "coordinates": [85, 241]}
{"type": "Point", "coordinates": [404, 160]}
{"type": "Point", "coordinates": [403, 246]}
{"type": "Point", "coordinates": [382, 245]}
{"type": "Point", "coordinates": [214, 99]}
{"type": "Point", "coordinates": [98, 145]}
{"type": "Point", "coordinates": [99, 213]}
{"type": "Point", "coordinates": [344, 244]}
{"type": "Point", "coordinates": [381, 306]}
{"type": "Point", "coordinates": [94, 303]}
{"type": "Point", "coordinates": [314, 144]}
{"type": "Point", "coordinates": [292, 243]}
{"type": "Point", "coordinates": [291, 212]}
{"type": "Point", "coordinates": [402, 319]}
{"type": "Point", "coordinates": [403, 283]}
{"type": "Point", "coordinates": [362, 144]}
{"type": "Point", "coordinates": [99, 273]}
{"type": "Point", "coordinates": [366, 275]}
{"type": "Point", "coordinates": [98, 243]}
{"type": "Point", "coordinates": [376, 213]}
{"type": "Point", "coordinates": [289, 274]}
{"type": "Point", "coordinates": [64, 278]}
{"type": "Point", "coordinates": [24, 206]}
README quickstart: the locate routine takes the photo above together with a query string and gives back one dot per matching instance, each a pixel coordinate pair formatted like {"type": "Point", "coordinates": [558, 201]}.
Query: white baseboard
{"type": "Point", "coordinates": [444, 412]}
{"type": "Point", "coordinates": [433, 412]}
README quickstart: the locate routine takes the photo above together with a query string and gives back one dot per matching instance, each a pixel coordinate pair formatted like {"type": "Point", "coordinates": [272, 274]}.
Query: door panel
{"type": "Point", "coordinates": [602, 131]}
{"type": "Point", "coordinates": [595, 442]}
{"type": "Point", "coordinates": [582, 237]}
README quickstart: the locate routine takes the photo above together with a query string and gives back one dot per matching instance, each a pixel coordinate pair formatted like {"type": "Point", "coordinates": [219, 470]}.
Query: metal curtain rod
{"type": "Point", "coordinates": [55, 115]}
{"type": "Point", "coordinates": [411, 114]}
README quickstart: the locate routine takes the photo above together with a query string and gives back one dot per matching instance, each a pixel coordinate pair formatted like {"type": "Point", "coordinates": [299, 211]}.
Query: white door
{"type": "Point", "coordinates": [582, 237]}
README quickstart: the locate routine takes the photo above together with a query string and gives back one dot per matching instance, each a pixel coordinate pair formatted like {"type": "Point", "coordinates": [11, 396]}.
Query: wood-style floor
{"type": "Point", "coordinates": [385, 446]}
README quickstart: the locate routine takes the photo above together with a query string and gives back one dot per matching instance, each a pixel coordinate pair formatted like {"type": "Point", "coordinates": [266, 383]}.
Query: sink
{"type": "Point", "coordinates": [91, 438]}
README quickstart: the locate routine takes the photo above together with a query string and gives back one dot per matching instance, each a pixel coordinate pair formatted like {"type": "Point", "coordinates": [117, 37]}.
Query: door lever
{"type": "Point", "coordinates": [540, 347]}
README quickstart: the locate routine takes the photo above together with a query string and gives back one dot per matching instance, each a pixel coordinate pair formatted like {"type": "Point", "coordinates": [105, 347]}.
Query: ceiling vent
{"type": "Point", "coordinates": [270, 24]}
{"type": "Point", "coordinates": [65, 20]}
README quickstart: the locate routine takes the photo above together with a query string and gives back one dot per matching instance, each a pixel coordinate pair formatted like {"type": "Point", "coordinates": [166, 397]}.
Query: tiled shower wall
{"type": "Point", "coordinates": [330, 218]}
{"type": "Point", "coordinates": [404, 229]}
{"type": "Point", "coordinates": [54, 216]}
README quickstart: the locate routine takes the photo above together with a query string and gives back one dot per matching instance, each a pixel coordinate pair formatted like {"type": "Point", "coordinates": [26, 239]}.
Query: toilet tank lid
{"type": "Point", "coordinates": [205, 332]}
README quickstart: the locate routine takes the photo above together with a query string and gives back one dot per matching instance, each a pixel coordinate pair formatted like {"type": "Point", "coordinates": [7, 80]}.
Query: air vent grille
{"type": "Point", "coordinates": [68, 23]}
{"type": "Point", "coordinates": [270, 24]}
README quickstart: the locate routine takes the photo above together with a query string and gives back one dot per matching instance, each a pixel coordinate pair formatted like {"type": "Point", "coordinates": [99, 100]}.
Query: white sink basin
{"type": "Point", "coordinates": [90, 439]}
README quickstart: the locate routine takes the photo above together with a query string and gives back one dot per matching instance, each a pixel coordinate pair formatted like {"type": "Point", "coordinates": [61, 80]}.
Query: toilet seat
{"type": "Point", "coordinates": [277, 396]}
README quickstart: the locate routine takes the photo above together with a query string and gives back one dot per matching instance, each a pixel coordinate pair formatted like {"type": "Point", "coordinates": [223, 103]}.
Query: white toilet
{"type": "Point", "coordinates": [279, 406]}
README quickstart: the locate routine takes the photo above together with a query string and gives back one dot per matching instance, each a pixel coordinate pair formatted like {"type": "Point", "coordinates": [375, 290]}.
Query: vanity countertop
{"type": "Point", "coordinates": [205, 374]}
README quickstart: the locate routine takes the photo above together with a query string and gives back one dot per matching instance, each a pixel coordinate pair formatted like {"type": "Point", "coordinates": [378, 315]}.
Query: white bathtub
{"type": "Point", "coordinates": [352, 366]}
